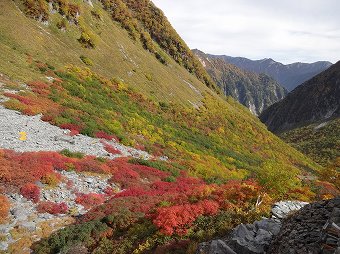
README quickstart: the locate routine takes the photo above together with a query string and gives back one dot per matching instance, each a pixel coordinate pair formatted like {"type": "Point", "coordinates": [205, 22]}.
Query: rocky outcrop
{"type": "Point", "coordinates": [314, 229]}
{"type": "Point", "coordinates": [252, 238]}
{"type": "Point", "coordinates": [255, 91]}
{"type": "Point", "coordinates": [27, 224]}
{"type": "Point", "coordinates": [295, 228]}
{"type": "Point", "coordinates": [282, 209]}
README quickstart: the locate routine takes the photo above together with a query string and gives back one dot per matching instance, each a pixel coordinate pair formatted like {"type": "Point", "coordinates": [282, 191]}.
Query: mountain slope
{"type": "Point", "coordinates": [88, 68]}
{"type": "Point", "coordinates": [321, 142]}
{"type": "Point", "coordinates": [255, 91]}
{"type": "Point", "coordinates": [115, 52]}
{"type": "Point", "coordinates": [313, 101]}
{"type": "Point", "coordinates": [289, 76]}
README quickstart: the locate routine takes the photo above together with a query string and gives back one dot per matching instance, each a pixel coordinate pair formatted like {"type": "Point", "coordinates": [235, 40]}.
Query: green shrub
{"type": "Point", "coordinates": [87, 39]}
{"type": "Point", "coordinates": [86, 60]}
{"type": "Point", "coordinates": [70, 154]}
{"type": "Point", "coordinates": [62, 24]}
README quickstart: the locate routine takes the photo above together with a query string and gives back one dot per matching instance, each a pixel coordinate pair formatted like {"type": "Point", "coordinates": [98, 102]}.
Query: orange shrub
{"type": "Point", "coordinates": [4, 208]}
{"type": "Point", "coordinates": [51, 179]}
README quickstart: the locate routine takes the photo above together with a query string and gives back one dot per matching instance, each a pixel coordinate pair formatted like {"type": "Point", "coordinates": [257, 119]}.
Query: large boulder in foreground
{"type": "Point", "coordinates": [252, 238]}
{"type": "Point", "coordinates": [314, 229]}
{"type": "Point", "coordinates": [295, 228]}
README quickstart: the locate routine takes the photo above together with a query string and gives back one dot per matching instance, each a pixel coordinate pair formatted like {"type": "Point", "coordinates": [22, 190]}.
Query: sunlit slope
{"type": "Point", "coordinates": [129, 92]}
{"type": "Point", "coordinates": [115, 54]}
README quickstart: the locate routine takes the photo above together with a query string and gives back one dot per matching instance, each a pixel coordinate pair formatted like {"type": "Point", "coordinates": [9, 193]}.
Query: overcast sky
{"type": "Point", "coordinates": [285, 30]}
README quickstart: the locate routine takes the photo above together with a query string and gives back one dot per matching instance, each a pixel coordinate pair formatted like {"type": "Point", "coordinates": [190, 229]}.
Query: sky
{"type": "Point", "coordinates": [284, 30]}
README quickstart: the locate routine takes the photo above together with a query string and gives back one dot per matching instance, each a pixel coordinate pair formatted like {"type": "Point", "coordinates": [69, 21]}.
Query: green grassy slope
{"type": "Point", "coordinates": [115, 54]}
{"type": "Point", "coordinates": [319, 141]}
{"type": "Point", "coordinates": [210, 141]}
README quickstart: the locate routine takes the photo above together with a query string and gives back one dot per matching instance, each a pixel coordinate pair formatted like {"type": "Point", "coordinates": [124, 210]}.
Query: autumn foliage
{"type": "Point", "coordinates": [31, 192]}
{"type": "Point", "coordinates": [4, 208]}
{"type": "Point", "coordinates": [89, 200]}
{"type": "Point", "coordinates": [104, 135]}
{"type": "Point", "coordinates": [52, 208]}
{"type": "Point", "coordinates": [110, 149]}
{"type": "Point", "coordinates": [177, 219]}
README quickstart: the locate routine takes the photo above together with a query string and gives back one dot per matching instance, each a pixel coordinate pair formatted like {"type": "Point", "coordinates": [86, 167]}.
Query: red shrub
{"type": "Point", "coordinates": [31, 191]}
{"type": "Point", "coordinates": [52, 208]}
{"type": "Point", "coordinates": [69, 184]}
{"type": "Point", "coordinates": [110, 149]}
{"type": "Point", "coordinates": [73, 133]}
{"type": "Point", "coordinates": [22, 99]}
{"type": "Point", "coordinates": [75, 129]}
{"type": "Point", "coordinates": [177, 219]}
{"type": "Point", "coordinates": [104, 135]}
{"type": "Point", "coordinates": [89, 200]}
{"type": "Point", "coordinates": [109, 191]}
{"type": "Point", "coordinates": [90, 164]}
{"type": "Point", "coordinates": [39, 87]}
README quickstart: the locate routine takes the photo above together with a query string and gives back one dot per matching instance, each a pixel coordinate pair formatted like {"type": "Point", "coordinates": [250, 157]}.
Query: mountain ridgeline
{"type": "Point", "coordinates": [289, 76]}
{"type": "Point", "coordinates": [318, 99]}
{"type": "Point", "coordinates": [255, 91]}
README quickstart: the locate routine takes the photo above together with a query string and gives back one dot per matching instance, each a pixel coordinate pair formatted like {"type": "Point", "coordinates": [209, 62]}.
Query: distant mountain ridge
{"type": "Point", "coordinates": [255, 91]}
{"type": "Point", "coordinates": [289, 76]}
{"type": "Point", "coordinates": [318, 99]}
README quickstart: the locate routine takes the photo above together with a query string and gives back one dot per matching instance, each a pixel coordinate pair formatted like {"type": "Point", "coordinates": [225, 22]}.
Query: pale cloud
{"type": "Point", "coordinates": [287, 31]}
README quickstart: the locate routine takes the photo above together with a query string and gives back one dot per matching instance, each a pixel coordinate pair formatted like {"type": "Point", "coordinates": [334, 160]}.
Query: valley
{"type": "Point", "coordinates": [115, 137]}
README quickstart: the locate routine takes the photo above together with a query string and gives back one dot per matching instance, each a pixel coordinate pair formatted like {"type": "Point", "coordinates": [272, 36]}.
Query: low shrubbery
{"type": "Point", "coordinates": [110, 149]}
{"type": "Point", "coordinates": [150, 213]}
{"type": "Point", "coordinates": [87, 40]}
{"type": "Point", "coordinates": [52, 208]}
{"type": "Point", "coordinates": [90, 200]}
{"type": "Point", "coordinates": [4, 208]}
{"type": "Point", "coordinates": [212, 141]}
{"type": "Point", "coordinates": [31, 192]}
{"type": "Point", "coordinates": [51, 179]}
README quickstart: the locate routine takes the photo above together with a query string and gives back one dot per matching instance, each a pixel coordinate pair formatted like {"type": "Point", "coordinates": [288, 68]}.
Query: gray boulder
{"type": "Point", "coordinates": [282, 209]}
{"type": "Point", "coordinates": [252, 238]}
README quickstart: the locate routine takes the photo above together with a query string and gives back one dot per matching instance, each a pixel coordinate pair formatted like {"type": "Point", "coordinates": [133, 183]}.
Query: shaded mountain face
{"type": "Point", "coordinates": [255, 91]}
{"type": "Point", "coordinates": [289, 76]}
{"type": "Point", "coordinates": [315, 100]}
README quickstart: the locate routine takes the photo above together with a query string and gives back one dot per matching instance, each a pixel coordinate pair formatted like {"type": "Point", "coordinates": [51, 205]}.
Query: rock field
{"type": "Point", "coordinates": [42, 136]}
{"type": "Point", "coordinates": [26, 224]}
{"type": "Point", "coordinates": [252, 238]}
{"type": "Point", "coordinates": [295, 228]}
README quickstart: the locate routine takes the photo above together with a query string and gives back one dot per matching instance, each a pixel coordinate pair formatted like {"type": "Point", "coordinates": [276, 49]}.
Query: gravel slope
{"type": "Point", "coordinates": [42, 136]}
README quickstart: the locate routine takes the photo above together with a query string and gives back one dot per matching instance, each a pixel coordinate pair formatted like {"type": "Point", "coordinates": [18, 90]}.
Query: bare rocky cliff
{"type": "Point", "coordinates": [255, 91]}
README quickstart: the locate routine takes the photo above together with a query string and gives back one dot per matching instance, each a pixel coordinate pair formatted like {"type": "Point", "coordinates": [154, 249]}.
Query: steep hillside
{"type": "Point", "coordinates": [315, 100]}
{"type": "Point", "coordinates": [289, 76]}
{"type": "Point", "coordinates": [320, 141]}
{"type": "Point", "coordinates": [255, 91]}
{"type": "Point", "coordinates": [116, 146]}
{"type": "Point", "coordinates": [87, 35]}
{"type": "Point", "coordinates": [202, 159]}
